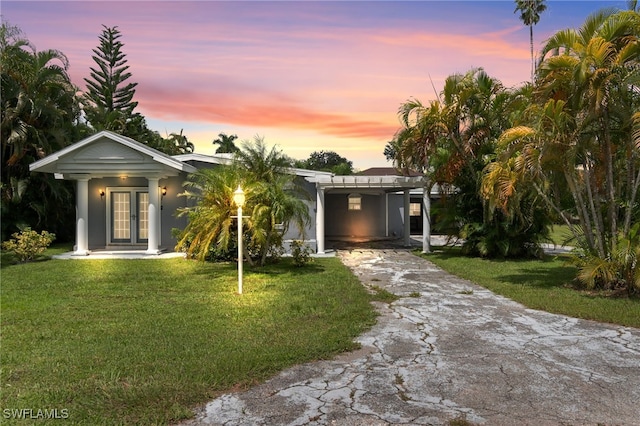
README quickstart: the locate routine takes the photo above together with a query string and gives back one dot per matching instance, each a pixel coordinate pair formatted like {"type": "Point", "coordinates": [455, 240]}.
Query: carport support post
{"type": "Point", "coordinates": [407, 218]}
{"type": "Point", "coordinates": [82, 216]}
{"type": "Point", "coordinates": [426, 219]}
{"type": "Point", "coordinates": [320, 220]}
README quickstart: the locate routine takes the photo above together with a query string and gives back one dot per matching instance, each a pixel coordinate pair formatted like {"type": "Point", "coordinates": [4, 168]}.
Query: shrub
{"type": "Point", "coordinates": [620, 270]}
{"type": "Point", "coordinates": [301, 253]}
{"type": "Point", "coordinates": [27, 244]}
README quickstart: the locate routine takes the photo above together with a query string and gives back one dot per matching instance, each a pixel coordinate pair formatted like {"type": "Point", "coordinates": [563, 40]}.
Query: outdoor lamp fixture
{"type": "Point", "coordinates": [164, 191]}
{"type": "Point", "coordinates": [238, 198]}
{"type": "Point", "coordinates": [101, 192]}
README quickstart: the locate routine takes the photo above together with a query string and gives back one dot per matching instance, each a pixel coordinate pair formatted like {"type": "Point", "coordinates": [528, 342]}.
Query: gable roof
{"type": "Point", "coordinates": [53, 162]}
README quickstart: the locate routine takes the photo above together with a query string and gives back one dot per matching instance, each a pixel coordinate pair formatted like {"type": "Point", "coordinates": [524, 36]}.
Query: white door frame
{"type": "Point", "coordinates": [134, 219]}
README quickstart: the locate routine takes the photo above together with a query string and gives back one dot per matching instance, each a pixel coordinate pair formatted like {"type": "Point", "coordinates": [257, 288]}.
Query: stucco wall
{"type": "Point", "coordinates": [342, 222]}
{"type": "Point", "coordinates": [367, 222]}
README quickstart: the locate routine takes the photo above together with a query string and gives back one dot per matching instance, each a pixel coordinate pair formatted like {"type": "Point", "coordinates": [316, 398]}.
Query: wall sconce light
{"type": "Point", "coordinates": [164, 191]}
{"type": "Point", "coordinates": [101, 192]}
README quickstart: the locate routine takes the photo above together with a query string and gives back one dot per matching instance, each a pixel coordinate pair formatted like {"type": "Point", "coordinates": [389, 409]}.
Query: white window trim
{"type": "Point", "coordinates": [354, 202]}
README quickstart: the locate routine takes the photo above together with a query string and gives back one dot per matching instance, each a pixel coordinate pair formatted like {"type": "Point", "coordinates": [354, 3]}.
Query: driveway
{"type": "Point", "coordinates": [450, 350]}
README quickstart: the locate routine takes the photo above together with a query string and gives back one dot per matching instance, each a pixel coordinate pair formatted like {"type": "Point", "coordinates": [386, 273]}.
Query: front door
{"type": "Point", "coordinates": [128, 215]}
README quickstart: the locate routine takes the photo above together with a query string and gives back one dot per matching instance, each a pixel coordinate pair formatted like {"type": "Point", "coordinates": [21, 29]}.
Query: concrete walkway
{"type": "Point", "coordinates": [448, 350]}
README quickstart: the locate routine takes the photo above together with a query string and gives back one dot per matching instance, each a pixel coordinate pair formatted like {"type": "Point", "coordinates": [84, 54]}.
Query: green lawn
{"type": "Point", "coordinates": [144, 341]}
{"type": "Point", "coordinates": [540, 284]}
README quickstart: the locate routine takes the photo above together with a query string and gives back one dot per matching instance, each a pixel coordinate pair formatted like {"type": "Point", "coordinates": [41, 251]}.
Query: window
{"type": "Point", "coordinates": [414, 209]}
{"type": "Point", "coordinates": [355, 202]}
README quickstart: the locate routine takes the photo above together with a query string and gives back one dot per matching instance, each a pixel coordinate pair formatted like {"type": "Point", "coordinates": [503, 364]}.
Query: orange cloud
{"type": "Point", "coordinates": [244, 112]}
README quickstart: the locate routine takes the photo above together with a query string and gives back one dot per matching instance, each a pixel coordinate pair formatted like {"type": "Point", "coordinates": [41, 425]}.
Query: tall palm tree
{"type": "Point", "coordinates": [530, 11]}
{"type": "Point", "coordinates": [226, 143]}
{"type": "Point", "coordinates": [595, 69]}
{"type": "Point", "coordinates": [582, 139]}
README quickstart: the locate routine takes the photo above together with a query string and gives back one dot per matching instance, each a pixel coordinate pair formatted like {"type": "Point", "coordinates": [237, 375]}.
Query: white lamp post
{"type": "Point", "coordinates": [238, 198]}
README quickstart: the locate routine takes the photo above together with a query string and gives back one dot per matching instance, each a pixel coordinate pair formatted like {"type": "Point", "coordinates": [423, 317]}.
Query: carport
{"type": "Point", "coordinates": [368, 206]}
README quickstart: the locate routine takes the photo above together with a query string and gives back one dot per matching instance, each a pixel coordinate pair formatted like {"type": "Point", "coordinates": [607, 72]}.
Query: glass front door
{"type": "Point", "coordinates": [129, 216]}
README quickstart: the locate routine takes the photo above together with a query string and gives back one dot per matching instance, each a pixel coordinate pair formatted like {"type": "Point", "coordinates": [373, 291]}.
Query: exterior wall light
{"type": "Point", "coordinates": [164, 191]}
{"type": "Point", "coordinates": [101, 192]}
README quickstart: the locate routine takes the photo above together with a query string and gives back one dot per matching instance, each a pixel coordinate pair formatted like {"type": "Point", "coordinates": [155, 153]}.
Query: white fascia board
{"type": "Point", "coordinates": [204, 158]}
{"type": "Point", "coordinates": [306, 173]}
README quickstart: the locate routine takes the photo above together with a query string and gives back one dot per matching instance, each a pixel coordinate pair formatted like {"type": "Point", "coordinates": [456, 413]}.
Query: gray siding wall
{"type": "Point", "coordinates": [169, 204]}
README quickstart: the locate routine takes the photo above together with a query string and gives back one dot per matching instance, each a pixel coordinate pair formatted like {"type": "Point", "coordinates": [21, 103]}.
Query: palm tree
{"type": "Point", "coordinates": [210, 230]}
{"type": "Point", "coordinates": [582, 139]}
{"type": "Point", "coordinates": [451, 140]}
{"type": "Point", "coordinates": [273, 201]}
{"type": "Point", "coordinates": [598, 66]}
{"type": "Point", "coordinates": [530, 11]}
{"type": "Point", "coordinates": [177, 143]}
{"type": "Point", "coordinates": [38, 116]}
{"type": "Point", "coordinates": [225, 144]}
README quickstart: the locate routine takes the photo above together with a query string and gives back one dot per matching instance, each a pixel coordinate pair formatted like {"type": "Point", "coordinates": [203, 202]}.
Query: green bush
{"type": "Point", "coordinates": [27, 244]}
{"type": "Point", "coordinates": [301, 253]}
{"type": "Point", "coordinates": [620, 270]}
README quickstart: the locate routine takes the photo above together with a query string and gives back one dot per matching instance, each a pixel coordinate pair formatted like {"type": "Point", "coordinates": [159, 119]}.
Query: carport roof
{"type": "Point", "coordinates": [386, 183]}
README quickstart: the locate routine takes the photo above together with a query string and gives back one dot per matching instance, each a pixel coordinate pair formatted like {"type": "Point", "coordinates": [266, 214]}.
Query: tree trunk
{"type": "Point", "coordinates": [532, 61]}
{"type": "Point", "coordinates": [596, 215]}
{"type": "Point", "coordinates": [611, 192]}
{"type": "Point", "coordinates": [632, 201]}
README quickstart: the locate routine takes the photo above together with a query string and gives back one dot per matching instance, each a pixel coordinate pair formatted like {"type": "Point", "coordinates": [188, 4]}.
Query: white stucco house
{"type": "Point", "coordinates": [127, 196]}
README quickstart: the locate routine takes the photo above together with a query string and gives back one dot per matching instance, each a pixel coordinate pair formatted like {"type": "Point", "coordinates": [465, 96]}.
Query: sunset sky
{"type": "Point", "coordinates": [305, 75]}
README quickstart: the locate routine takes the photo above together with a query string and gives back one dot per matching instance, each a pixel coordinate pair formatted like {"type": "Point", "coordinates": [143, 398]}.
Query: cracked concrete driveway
{"type": "Point", "coordinates": [446, 350]}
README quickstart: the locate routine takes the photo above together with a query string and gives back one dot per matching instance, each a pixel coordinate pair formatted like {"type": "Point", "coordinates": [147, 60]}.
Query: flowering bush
{"type": "Point", "coordinates": [27, 244]}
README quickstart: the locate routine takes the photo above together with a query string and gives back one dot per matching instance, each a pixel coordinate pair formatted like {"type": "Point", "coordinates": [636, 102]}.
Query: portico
{"type": "Point", "coordinates": [119, 190]}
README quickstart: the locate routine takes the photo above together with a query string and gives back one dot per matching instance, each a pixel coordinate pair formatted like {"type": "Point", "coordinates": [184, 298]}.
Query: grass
{"type": "Point", "coordinates": [145, 341]}
{"type": "Point", "coordinates": [540, 284]}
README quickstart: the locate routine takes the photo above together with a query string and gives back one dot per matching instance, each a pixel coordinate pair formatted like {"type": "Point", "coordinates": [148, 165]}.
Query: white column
{"type": "Point", "coordinates": [82, 217]}
{"type": "Point", "coordinates": [407, 218]}
{"type": "Point", "coordinates": [320, 220]}
{"type": "Point", "coordinates": [426, 219]}
{"type": "Point", "coordinates": [386, 214]}
{"type": "Point", "coordinates": [154, 216]}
